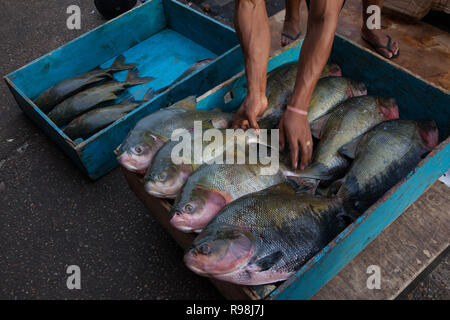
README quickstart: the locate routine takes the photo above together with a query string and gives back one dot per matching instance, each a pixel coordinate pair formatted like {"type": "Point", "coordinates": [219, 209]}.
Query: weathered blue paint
{"type": "Point", "coordinates": [164, 38]}
{"type": "Point", "coordinates": [417, 99]}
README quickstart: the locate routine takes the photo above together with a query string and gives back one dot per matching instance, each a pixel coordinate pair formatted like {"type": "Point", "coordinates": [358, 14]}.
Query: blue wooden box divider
{"type": "Point", "coordinates": [417, 99]}
{"type": "Point", "coordinates": [164, 38]}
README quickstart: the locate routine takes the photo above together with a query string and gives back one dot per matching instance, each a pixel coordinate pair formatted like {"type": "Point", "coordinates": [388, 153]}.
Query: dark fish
{"type": "Point", "coordinates": [152, 132]}
{"type": "Point", "coordinates": [280, 85]}
{"type": "Point", "coordinates": [265, 237]}
{"type": "Point", "coordinates": [93, 121]}
{"type": "Point", "coordinates": [384, 156]}
{"type": "Point", "coordinates": [346, 122]}
{"type": "Point", "coordinates": [213, 186]}
{"type": "Point", "coordinates": [61, 91]}
{"type": "Point", "coordinates": [88, 99]}
{"type": "Point", "coordinates": [196, 66]}
{"type": "Point", "coordinates": [165, 179]}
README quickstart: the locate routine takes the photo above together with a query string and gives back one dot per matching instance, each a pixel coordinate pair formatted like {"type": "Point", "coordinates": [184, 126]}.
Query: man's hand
{"type": "Point", "coordinates": [250, 112]}
{"type": "Point", "coordinates": [294, 128]}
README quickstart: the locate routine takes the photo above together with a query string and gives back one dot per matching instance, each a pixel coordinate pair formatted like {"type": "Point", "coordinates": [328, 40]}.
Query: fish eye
{"type": "Point", "coordinates": [188, 208]}
{"type": "Point", "coordinates": [205, 249]}
{"type": "Point", "coordinates": [138, 150]}
{"type": "Point", "coordinates": [162, 176]}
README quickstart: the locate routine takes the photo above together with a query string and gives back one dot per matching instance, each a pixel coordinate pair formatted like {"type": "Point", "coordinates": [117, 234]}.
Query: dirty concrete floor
{"type": "Point", "coordinates": [52, 216]}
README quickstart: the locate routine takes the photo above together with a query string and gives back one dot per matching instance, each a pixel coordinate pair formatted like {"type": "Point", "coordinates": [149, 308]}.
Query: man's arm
{"type": "Point", "coordinates": [252, 26]}
{"type": "Point", "coordinates": [316, 48]}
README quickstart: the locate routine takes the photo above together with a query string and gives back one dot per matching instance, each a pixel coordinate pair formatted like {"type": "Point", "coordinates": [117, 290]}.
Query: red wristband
{"type": "Point", "coordinates": [301, 112]}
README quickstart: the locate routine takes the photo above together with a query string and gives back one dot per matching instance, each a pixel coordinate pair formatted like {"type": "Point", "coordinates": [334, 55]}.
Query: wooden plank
{"type": "Point", "coordinates": [402, 251]}
{"type": "Point", "coordinates": [424, 49]}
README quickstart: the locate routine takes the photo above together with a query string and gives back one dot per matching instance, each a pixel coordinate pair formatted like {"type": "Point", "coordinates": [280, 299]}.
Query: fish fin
{"type": "Point", "coordinates": [315, 170]}
{"type": "Point", "coordinates": [304, 185]}
{"type": "Point", "coordinates": [317, 126]}
{"type": "Point", "coordinates": [187, 103]}
{"type": "Point", "coordinates": [331, 190]}
{"type": "Point", "coordinates": [284, 187]}
{"type": "Point", "coordinates": [133, 78]}
{"type": "Point", "coordinates": [119, 64]}
{"type": "Point", "coordinates": [269, 261]}
{"type": "Point", "coordinates": [349, 149]}
{"type": "Point", "coordinates": [151, 93]}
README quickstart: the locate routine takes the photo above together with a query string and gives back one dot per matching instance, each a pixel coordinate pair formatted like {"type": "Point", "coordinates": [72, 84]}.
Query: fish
{"type": "Point", "coordinates": [164, 178]}
{"type": "Point", "coordinates": [330, 92]}
{"type": "Point", "coordinates": [279, 89]}
{"type": "Point", "coordinates": [213, 186]}
{"type": "Point", "coordinates": [383, 156]}
{"type": "Point", "coordinates": [348, 121]}
{"type": "Point", "coordinates": [88, 99]}
{"type": "Point", "coordinates": [193, 68]}
{"type": "Point", "coordinates": [265, 237]}
{"type": "Point", "coordinates": [66, 88]}
{"type": "Point", "coordinates": [93, 121]}
{"type": "Point", "coordinates": [153, 131]}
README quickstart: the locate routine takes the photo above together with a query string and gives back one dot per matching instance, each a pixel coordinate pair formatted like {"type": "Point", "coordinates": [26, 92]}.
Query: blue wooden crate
{"type": "Point", "coordinates": [164, 38]}
{"type": "Point", "coordinates": [417, 99]}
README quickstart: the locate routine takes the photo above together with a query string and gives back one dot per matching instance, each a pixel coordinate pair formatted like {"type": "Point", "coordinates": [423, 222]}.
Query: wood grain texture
{"type": "Point", "coordinates": [424, 49]}
{"type": "Point", "coordinates": [402, 251]}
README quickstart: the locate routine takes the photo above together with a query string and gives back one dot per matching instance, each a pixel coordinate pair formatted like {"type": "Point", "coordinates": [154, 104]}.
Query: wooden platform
{"type": "Point", "coordinates": [413, 241]}
{"type": "Point", "coordinates": [424, 49]}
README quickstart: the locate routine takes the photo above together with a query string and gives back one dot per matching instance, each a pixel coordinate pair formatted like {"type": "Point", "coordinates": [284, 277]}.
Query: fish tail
{"type": "Point", "coordinates": [133, 78]}
{"type": "Point", "coordinates": [151, 93]}
{"type": "Point", "coordinates": [119, 64]}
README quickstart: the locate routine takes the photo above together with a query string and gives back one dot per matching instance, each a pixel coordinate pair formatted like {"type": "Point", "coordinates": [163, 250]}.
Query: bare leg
{"type": "Point", "coordinates": [291, 26]}
{"type": "Point", "coordinates": [375, 37]}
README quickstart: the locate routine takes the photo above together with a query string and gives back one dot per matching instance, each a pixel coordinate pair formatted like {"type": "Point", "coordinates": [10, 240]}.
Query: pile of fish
{"type": "Point", "coordinates": [87, 103]}
{"type": "Point", "coordinates": [257, 229]}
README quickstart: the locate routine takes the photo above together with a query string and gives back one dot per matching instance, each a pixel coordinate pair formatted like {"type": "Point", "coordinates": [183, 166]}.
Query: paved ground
{"type": "Point", "coordinates": [52, 216]}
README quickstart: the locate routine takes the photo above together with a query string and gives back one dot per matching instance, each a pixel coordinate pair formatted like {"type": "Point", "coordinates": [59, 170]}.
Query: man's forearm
{"type": "Point", "coordinates": [252, 27]}
{"type": "Point", "coordinates": [316, 49]}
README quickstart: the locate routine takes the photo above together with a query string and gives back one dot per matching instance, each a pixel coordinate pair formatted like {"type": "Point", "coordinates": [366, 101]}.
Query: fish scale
{"type": "Point", "coordinates": [345, 123]}
{"type": "Point", "coordinates": [384, 155]}
{"type": "Point", "coordinates": [288, 227]}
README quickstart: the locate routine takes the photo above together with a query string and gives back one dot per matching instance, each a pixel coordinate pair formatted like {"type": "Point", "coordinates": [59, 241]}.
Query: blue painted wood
{"type": "Point", "coordinates": [206, 31]}
{"type": "Point", "coordinates": [144, 36]}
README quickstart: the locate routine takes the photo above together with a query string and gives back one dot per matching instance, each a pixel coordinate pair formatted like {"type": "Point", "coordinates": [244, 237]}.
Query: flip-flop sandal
{"type": "Point", "coordinates": [387, 47]}
{"type": "Point", "coordinates": [291, 37]}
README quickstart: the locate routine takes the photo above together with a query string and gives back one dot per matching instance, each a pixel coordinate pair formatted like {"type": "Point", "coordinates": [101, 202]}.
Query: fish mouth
{"type": "Point", "coordinates": [128, 162]}
{"type": "Point", "coordinates": [236, 257]}
{"type": "Point", "coordinates": [159, 194]}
